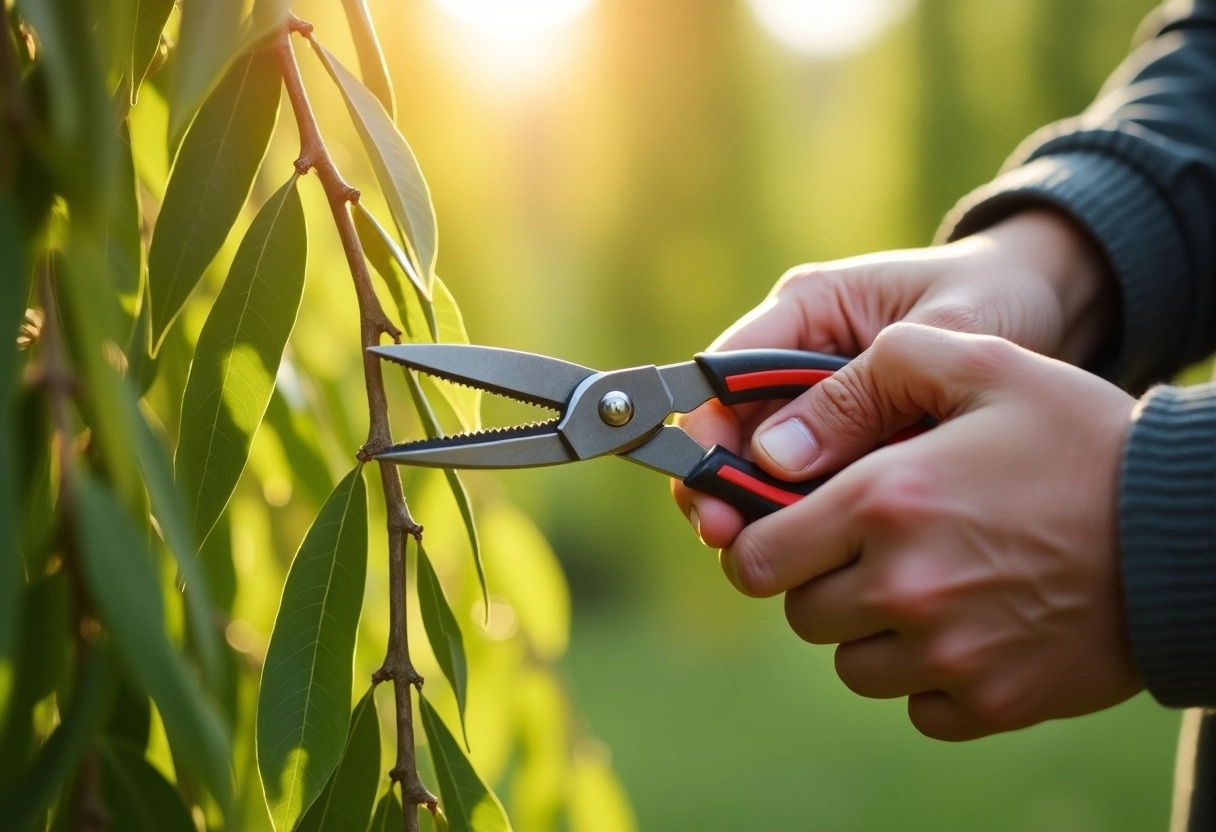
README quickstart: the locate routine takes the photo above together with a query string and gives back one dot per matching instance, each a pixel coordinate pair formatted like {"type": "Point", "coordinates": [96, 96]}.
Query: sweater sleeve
{"type": "Point", "coordinates": [1137, 171]}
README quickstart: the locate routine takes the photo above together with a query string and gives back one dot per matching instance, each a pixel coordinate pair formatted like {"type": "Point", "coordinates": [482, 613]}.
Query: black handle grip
{"type": "Point", "coordinates": [757, 375]}
{"type": "Point", "coordinates": [745, 485]}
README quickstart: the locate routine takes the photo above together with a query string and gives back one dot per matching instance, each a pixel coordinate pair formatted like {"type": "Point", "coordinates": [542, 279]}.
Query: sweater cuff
{"type": "Point", "coordinates": [1132, 224]}
{"type": "Point", "coordinates": [1167, 531]}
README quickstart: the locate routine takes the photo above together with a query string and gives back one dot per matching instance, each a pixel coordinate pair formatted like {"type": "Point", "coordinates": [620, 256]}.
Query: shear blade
{"type": "Point", "coordinates": [537, 379]}
{"type": "Point", "coordinates": [527, 447]}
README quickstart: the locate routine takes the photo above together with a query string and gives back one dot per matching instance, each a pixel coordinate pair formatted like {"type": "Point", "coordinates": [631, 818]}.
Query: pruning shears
{"type": "Point", "coordinates": [621, 412]}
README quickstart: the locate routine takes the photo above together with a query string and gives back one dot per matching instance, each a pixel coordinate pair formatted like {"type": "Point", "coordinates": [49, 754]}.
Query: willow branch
{"type": "Point", "coordinates": [373, 323]}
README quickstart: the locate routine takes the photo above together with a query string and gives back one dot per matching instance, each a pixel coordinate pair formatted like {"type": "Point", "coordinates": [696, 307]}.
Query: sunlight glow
{"type": "Point", "coordinates": [827, 28]}
{"type": "Point", "coordinates": [512, 39]}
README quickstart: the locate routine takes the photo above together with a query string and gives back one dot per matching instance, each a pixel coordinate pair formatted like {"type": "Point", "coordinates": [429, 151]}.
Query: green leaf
{"type": "Point", "coordinates": [387, 817]}
{"type": "Point", "coordinates": [465, 401]}
{"type": "Point", "coordinates": [209, 33]}
{"type": "Point", "coordinates": [396, 169]}
{"type": "Point", "coordinates": [170, 511]}
{"type": "Point", "coordinates": [443, 632]}
{"type": "Point", "coordinates": [348, 798]}
{"type": "Point", "coordinates": [123, 244]}
{"type": "Point", "coordinates": [388, 259]}
{"type": "Point", "coordinates": [60, 755]}
{"type": "Point", "coordinates": [267, 18]}
{"type": "Point", "coordinates": [137, 797]}
{"type": "Point", "coordinates": [121, 580]}
{"type": "Point", "coordinates": [597, 801]}
{"type": "Point", "coordinates": [238, 354]}
{"type": "Point", "coordinates": [130, 719]}
{"type": "Point", "coordinates": [371, 57]}
{"type": "Point", "coordinates": [149, 22]}
{"type": "Point", "coordinates": [469, 804]}
{"type": "Point", "coordinates": [12, 576]}
{"type": "Point", "coordinates": [431, 426]}
{"type": "Point", "coordinates": [210, 181]}
{"type": "Point", "coordinates": [304, 697]}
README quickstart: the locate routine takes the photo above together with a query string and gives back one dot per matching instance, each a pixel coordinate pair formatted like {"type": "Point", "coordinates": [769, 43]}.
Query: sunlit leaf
{"type": "Point", "coordinates": [539, 779]}
{"type": "Point", "coordinates": [266, 18]}
{"type": "Point", "coordinates": [349, 796]}
{"type": "Point", "coordinates": [468, 803]}
{"type": "Point", "coordinates": [170, 511]}
{"type": "Point", "coordinates": [597, 800]}
{"type": "Point", "coordinates": [431, 426]}
{"type": "Point", "coordinates": [524, 569]}
{"type": "Point", "coordinates": [443, 632]}
{"type": "Point", "coordinates": [149, 22]}
{"type": "Point", "coordinates": [465, 401]}
{"type": "Point", "coordinates": [123, 246]}
{"type": "Point", "coordinates": [387, 817]}
{"type": "Point", "coordinates": [215, 559]}
{"type": "Point", "coordinates": [121, 580]}
{"type": "Point", "coordinates": [238, 355]}
{"type": "Point", "coordinates": [136, 796]}
{"type": "Point", "coordinates": [390, 261]}
{"type": "Point", "coordinates": [205, 44]}
{"type": "Point", "coordinates": [371, 57]}
{"type": "Point", "coordinates": [60, 755]}
{"type": "Point", "coordinates": [12, 577]}
{"type": "Point", "coordinates": [304, 698]}
{"type": "Point", "coordinates": [396, 169]}
{"type": "Point", "coordinates": [210, 181]}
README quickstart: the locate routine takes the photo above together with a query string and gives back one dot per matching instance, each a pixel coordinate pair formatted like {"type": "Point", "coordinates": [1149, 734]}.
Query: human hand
{"type": "Point", "coordinates": [1034, 279]}
{"type": "Point", "coordinates": [974, 568]}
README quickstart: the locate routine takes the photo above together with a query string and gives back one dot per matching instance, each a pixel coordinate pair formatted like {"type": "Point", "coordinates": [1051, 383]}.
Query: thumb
{"type": "Point", "coordinates": [909, 371]}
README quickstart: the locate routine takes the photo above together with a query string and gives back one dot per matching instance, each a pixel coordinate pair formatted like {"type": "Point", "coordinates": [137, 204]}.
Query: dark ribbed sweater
{"type": "Point", "coordinates": [1137, 170]}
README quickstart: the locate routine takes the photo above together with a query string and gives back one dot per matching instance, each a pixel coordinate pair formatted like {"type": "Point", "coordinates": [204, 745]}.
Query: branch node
{"type": "Point", "coordinates": [351, 195]}
{"type": "Point", "coordinates": [368, 450]}
{"type": "Point", "coordinates": [303, 166]}
{"type": "Point", "coordinates": [303, 27]}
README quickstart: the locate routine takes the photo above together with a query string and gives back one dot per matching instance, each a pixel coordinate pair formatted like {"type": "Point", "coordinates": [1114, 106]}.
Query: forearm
{"type": "Point", "coordinates": [1137, 173]}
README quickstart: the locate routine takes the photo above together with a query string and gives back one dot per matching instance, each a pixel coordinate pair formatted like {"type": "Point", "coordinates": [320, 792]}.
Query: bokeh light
{"type": "Point", "coordinates": [827, 28]}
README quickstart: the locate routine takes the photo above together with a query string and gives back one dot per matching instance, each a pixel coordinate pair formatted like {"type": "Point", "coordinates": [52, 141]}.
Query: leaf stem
{"type": "Point", "coordinates": [373, 323]}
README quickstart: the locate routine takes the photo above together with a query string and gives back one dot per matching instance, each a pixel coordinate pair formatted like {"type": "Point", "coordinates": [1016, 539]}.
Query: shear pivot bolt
{"type": "Point", "coordinates": [616, 408]}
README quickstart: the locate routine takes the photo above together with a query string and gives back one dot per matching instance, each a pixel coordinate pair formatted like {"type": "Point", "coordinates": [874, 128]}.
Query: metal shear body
{"type": "Point", "coordinates": [621, 412]}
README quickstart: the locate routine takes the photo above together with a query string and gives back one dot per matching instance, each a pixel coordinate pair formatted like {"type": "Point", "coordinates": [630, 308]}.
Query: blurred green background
{"type": "Point", "coordinates": [616, 181]}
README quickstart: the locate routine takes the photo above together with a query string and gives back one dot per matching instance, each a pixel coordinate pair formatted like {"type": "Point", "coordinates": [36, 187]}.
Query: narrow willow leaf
{"type": "Point", "coordinates": [149, 22]}
{"type": "Point", "coordinates": [387, 258]}
{"type": "Point", "coordinates": [123, 245]}
{"type": "Point", "coordinates": [304, 697]}
{"type": "Point", "coordinates": [238, 354]}
{"type": "Point", "coordinates": [210, 181]}
{"type": "Point", "coordinates": [60, 755]}
{"type": "Point", "coordinates": [12, 576]}
{"type": "Point", "coordinates": [349, 796]}
{"type": "Point", "coordinates": [387, 817]}
{"type": "Point", "coordinates": [469, 804]}
{"type": "Point", "coordinates": [371, 57]}
{"type": "Point", "coordinates": [170, 512]}
{"type": "Point", "coordinates": [121, 580]}
{"type": "Point", "coordinates": [136, 796]}
{"type": "Point", "coordinates": [465, 401]}
{"type": "Point", "coordinates": [443, 632]}
{"type": "Point", "coordinates": [209, 33]}
{"type": "Point", "coordinates": [396, 169]}
{"type": "Point", "coordinates": [431, 426]}
{"type": "Point", "coordinates": [268, 17]}
{"type": "Point", "coordinates": [130, 719]}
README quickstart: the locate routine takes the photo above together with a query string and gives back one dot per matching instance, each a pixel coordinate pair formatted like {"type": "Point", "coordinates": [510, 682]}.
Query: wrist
{"type": "Point", "coordinates": [1057, 250]}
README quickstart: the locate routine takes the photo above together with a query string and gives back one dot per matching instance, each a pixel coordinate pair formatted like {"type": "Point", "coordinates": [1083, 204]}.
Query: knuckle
{"type": "Point", "coordinates": [801, 274]}
{"type": "Point", "coordinates": [988, 357]}
{"type": "Point", "coordinates": [907, 596]}
{"type": "Point", "coordinates": [800, 613]}
{"type": "Point", "coordinates": [999, 706]}
{"type": "Point", "coordinates": [841, 406]}
{"type": "Point", "coordinates": [751, 566]}
{"type": "Point", "coordinates": [898, 499]}
{"type": "Point", "coordinates": [958, 317]}
{"type": "Point", "coordinates": [950, 663]}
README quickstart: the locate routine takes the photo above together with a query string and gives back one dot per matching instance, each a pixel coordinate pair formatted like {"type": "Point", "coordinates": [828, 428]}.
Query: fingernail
{"type": "Point", "coordinates": [694, 517]}
{"type": "Point", "coordinates": [789, 444]}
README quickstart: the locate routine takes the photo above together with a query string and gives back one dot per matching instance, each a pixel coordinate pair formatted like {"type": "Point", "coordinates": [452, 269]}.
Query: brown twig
{"type": "Point", "coordinates": [373, 323]}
